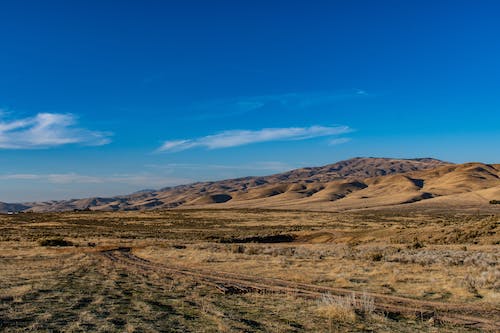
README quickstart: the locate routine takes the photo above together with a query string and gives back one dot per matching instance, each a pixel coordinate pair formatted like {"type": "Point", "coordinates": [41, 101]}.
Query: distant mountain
{"type": "Point", "coordinates": [328, 187]}
{"type": "Point", "coordinates": [359, 167]}
{"type": "Point", "coordinates": [12, 207]}
{"type": "Point", "coordinates": [354, 184]}
{"type": "Point", "coordinates": [144, 191]}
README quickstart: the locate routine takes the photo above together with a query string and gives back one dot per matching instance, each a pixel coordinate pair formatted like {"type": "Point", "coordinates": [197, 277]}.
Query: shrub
{"type": "Point", "coordinates": [376, 256]}
{"type": "Point", "coordinates": [279, 238]}
{"type": "Point", "coordinates": [471, 283]}
{"type": "Point", "coordinates": [490, 278]}
{"type": "Point", "coordinates": [495, 202]}
{"type": "Point", "coordinates": [337, 308]}
{"type": "Point", "coordinates": [365, 304]}
{"type": "Point", "coordinates": [55, 242]}
{"type": "Point", "coordinates": [416, 244]}
{"type": "Point", "coordinates": [344, 308]}
{"type": "Point", "coordinates": [237, 248]}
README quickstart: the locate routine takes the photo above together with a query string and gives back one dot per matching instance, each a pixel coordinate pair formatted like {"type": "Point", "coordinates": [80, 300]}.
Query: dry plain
{"type": "Point", "coordinates": [250, 271]}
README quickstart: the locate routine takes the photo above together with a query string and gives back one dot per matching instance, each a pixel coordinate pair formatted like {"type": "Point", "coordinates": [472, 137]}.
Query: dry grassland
{"type": "Point", "coordinates": [249, 271]}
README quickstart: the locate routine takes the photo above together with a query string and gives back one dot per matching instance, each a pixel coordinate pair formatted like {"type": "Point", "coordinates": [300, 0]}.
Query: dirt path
{"type": "Point", "coordinates": [393, 306]}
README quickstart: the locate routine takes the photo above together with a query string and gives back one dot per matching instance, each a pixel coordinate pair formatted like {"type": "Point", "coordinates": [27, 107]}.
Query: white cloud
{"type": "Point", "coordinates": [338, 141]}
{"type": "Point", "coordinates": [142, 179]}
{"type": "Point", "coordinates": [47, 130]}
{"type": "Point", "coordinates": [234, 138]}
{"type": "Point", "coordinates": [253, 166]}
{"type": "Point", "coordinates": [68, 178]}
{"type": "Point", "coordinates": [20, 176]}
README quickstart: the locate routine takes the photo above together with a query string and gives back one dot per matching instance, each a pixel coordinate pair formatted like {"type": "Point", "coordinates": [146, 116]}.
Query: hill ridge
{"type": "Point", "coordinates": [170, 197]}
{"type": "Point", "coordinates": [353, 184]}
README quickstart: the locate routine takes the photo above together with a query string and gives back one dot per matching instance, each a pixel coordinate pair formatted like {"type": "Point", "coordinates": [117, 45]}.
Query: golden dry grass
{"type": "Point", "coordinates": [439, 257]}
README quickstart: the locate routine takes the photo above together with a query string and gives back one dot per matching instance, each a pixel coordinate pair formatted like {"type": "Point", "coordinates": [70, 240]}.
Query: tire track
{"type": "Point", "coordinates": [456, 314]}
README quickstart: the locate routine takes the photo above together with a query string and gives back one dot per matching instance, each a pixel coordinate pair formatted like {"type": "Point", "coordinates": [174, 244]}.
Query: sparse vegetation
{"type": "Point", "coordinates": [376, 256]}
{"type": "Point", "coordinates": [49, 288]}
{"type": "Point", "coordinates": [338, 308]}
{"type": "Point", "coordinates": [279, 238]}
{"type": "Point", "coordinates": [55, 242]}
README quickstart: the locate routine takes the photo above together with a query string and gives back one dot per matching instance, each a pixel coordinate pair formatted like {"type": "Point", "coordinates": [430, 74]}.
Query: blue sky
{"type": "Point", "coordinates": [109, 97]}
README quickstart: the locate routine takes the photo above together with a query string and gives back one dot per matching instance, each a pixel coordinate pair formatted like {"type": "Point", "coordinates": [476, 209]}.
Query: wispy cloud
{"type": "Point", "coordinates": [234, 138]}
{"type": "Point", "coordinates": [75, 178]}
{"type": "Point", "coordinates": [290, 101]}
{"type": "Point", "coordinates": [338, 141]}
{"type": "Point", "coordinates": [271, 166]}
{"type": "Point", "coordinates": [47, 130]}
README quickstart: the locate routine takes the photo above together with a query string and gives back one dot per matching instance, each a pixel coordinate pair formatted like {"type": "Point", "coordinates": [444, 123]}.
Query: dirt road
{"type": "Point", "coordinates": [392, 306]}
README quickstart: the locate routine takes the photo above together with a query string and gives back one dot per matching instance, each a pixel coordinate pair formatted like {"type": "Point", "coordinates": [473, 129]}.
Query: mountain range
{"type": "Point", "coordinates": [354, 184]}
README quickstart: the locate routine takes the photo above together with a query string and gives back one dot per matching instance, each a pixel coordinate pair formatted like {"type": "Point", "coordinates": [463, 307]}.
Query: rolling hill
{"type": "Point", "coordinates": [357, 183]}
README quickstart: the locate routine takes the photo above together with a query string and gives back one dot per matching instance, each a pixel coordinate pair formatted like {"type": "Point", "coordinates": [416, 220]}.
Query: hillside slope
{"type": "Point", "coordinates": [463, 186]}
{"type": "Point", "coordinates": [354, 184]}
{"type": "Point", "coordinates": [316, 184]}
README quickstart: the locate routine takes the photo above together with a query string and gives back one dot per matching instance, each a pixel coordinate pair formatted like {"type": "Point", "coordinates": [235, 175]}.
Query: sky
{"type": "Point", "coordinates": [99, 98]}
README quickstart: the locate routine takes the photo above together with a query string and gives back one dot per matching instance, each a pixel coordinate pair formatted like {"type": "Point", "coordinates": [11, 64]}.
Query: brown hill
{"type": "Point", "coordinates": [354, 184]}
{"type": "Point", "coordinates": [470, 185]}
{"type": "Point", "coordinates": [301, 186]}
{"type": "Point", "coordinates": [359, 167]}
